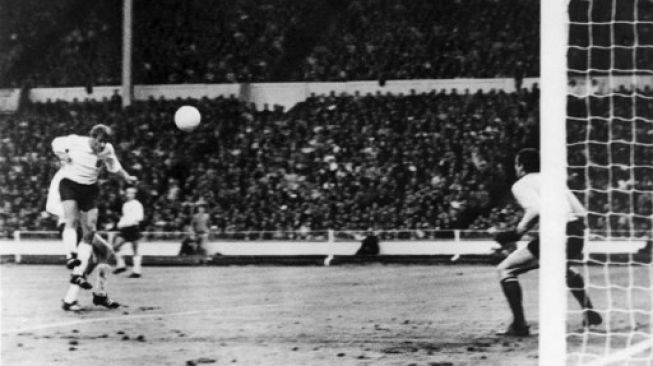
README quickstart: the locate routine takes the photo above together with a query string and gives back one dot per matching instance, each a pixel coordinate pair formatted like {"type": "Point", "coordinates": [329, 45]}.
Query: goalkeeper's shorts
{"type": "Point", "coordinates": [575, 241]}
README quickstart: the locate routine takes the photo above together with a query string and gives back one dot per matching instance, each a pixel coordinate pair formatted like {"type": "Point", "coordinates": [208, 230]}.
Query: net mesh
{"type": "Point", "coordinates": [610, 169]}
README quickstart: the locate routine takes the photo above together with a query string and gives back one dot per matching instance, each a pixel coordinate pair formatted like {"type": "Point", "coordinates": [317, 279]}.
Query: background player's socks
{"type": "Point", "coordinates": [512, 290]}
{"type": "Point", "coordinates": [71, 294]}
{"type": "Point", "coordinates": [137, 264]}
{"type": "Point", "coordinates": [83, 254]}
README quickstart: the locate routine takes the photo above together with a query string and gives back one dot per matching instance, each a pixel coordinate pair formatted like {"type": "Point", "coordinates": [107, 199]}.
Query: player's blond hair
{"type": "Point", "coordinates": [101, 131]}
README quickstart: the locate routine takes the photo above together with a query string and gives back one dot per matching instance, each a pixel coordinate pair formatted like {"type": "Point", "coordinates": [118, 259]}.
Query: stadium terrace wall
{"type": "Point", "coordinates": [289, 94]}
{"type": "Point", "coordinates": [277, 94]}
{"type": "Point", "coordinates": [303, 248]}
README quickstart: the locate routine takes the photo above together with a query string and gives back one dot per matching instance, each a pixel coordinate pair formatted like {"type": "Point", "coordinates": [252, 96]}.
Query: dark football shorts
{"type": "Point", "coordinates": [130, 233]}
{"type": "Point", "coordinates": [86, 195]}
{"type": "Point", "coordinates": [575, 241]}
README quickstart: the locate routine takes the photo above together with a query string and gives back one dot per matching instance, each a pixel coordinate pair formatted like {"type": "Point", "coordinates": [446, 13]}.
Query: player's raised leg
{"type": "Point", "coordinates": [69, 234]}
{"type": "Point", "coordinates": [88, 220]}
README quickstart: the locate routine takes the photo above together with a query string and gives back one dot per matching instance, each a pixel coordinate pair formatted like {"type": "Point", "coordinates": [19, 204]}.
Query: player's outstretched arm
{"type": "Point", "coordinates": [127, 177]}
{"type": "Point", "coordinates": [113, 165]}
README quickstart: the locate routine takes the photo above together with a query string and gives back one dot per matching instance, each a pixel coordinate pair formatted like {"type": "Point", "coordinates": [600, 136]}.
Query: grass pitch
{"type": "Point", "coordinates": [254, 315]}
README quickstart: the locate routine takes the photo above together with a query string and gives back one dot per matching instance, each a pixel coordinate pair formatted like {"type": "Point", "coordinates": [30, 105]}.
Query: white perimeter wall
{"type": "Point", "coordinates": [171, 248]}
{"type": "Point", "coordinates": [289, 94]}
{"type": "Point", "coordinates": [283, 94]}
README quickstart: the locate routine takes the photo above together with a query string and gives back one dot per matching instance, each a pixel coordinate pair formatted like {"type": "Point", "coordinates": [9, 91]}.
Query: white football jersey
{"type": "Point", "coordinates": [527, 193]}
{"type": "Point", "coordinates": [132, 214]}
{"type": "Point", "coordinates": [85, 165]}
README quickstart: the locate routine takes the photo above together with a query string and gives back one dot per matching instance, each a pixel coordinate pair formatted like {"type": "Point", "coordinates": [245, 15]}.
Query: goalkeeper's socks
{"type": "Point", "coordinates": [512, 290]}
{"type": "Point", "coordinates": [577, 287]}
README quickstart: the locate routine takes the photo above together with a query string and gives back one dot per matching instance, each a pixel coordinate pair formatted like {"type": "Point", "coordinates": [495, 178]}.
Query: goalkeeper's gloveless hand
{"type": "Point", "coordinates": [506, 237]}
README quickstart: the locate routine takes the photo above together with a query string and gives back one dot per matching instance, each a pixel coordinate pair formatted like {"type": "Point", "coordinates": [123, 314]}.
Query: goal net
{"type": "Point", "coordinates": [609, 154]}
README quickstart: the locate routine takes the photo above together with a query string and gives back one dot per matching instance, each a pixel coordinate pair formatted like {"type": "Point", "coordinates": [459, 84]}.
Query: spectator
{"type": "Point", "coordinates": [200, 228]}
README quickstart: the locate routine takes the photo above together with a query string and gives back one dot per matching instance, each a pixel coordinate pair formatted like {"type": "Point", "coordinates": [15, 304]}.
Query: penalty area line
{"type": "Point", "coordinates": [132, 317]}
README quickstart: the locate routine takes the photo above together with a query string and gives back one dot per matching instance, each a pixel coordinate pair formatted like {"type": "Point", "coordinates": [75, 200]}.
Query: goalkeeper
{"type": "Point", "coordinates": [527, 193]}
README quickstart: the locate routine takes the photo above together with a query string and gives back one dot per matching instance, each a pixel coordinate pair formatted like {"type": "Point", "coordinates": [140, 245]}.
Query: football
{"type": "Point", "coordinates": [187, 118]}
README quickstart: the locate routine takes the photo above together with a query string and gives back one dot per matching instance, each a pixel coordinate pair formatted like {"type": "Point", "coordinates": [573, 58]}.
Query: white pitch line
{"type": "Point", "coordinates": [135, 316]}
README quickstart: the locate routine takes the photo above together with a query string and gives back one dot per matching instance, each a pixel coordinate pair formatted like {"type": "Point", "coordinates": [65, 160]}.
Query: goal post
{"type": "Point", "coordinates": [553, 292]}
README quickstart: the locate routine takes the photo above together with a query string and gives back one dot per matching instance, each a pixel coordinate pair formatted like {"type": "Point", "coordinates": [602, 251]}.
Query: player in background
{"type": "Point", "coordinates": [132, 215]}
{"type": "Point", "coordinates": [200, 227]}
{"type": "Point", "coordinates": [82, 158]}
{"type": "Point", "coordinates": [527, 193]}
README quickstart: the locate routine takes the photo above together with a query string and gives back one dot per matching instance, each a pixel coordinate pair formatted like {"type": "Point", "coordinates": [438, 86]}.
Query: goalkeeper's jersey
{"type": "Point", "coordinates": [527, 193]}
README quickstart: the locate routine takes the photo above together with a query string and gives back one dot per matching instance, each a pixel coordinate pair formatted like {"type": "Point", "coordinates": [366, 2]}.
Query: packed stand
{"type": "Point", "coordinates": [408, 39]}
{"type": "Point", "coordinates": [26, 26]}
{"type": "Point", "coordinates": [77, 43]}
{"type": "Point", "coordinates": [423, 161]}
{"type": "Point", "coordinates": [212, 41]}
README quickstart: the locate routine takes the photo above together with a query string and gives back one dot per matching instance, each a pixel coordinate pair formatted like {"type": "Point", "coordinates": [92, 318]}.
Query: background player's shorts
{"type": "Point", "coordinates": [130, 233]}
{"type": "Point", "coordinates": [85, 195]}
{"type": "Point", "coordinates": [575, 241]}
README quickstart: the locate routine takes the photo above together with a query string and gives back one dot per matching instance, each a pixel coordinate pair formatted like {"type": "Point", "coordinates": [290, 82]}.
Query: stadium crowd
{"type": "Point", "coordinates": [429, 39]}
{"type": "Point", "coordinates": [205, 41]}
{"type": "Point", "coordinates": [420, 161]}
{"type": "Point", "coordinates": [423, 161]}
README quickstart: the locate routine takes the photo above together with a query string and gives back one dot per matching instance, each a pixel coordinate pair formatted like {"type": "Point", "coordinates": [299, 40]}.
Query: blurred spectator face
{"type": "Point", "coordinates": [131, 193]}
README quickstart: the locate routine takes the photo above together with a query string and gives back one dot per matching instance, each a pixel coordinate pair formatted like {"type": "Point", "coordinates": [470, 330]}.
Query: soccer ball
{"type": "Point", "coordinates": [187, 118]}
